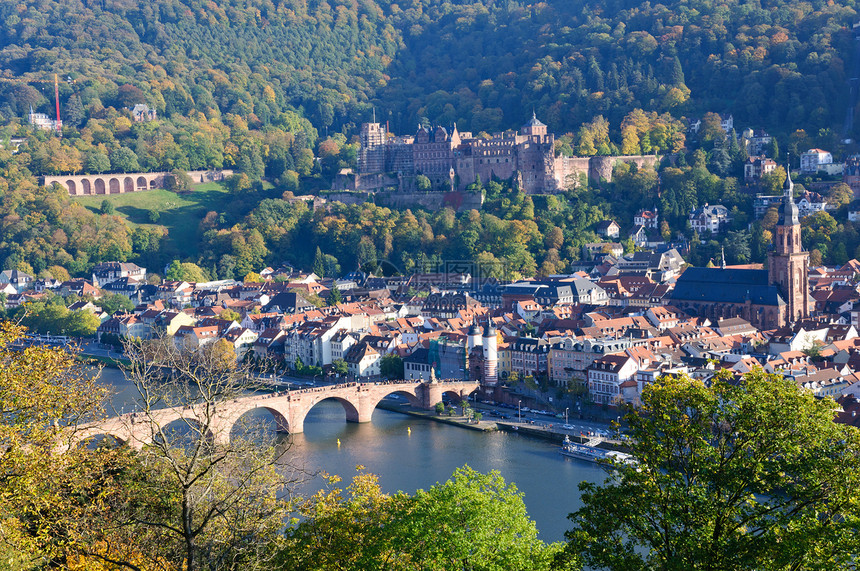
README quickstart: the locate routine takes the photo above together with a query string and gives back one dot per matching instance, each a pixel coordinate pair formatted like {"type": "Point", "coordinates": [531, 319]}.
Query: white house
{"type": "Point", "coordinates": [190, 337]}
{"type": "Point", "coordinates": [363, 360]}
{"type": "Point", "coordinates": [242, 340]}
{"type": "Point", "coordinates": [607, 375]}
{"type": "Point", "coordinates": [755, 141]}
{"type": "Point", "coordinates": [608, 228]}
{"type": "Point", "coordinates": [647, 219]}
{"type": "Point", "coordinates": [416, 367]}
{"type": "Point", "coordinates": [811, 159]}
{"type": "Point", "coordinates": [19, 280]}
{"type": "Point", "coordinates": [108, 272]}
{"type": "Point", "coordinates": [709, 218]}
{"type": "Point", "coordinates": [810, 203]}
{"type": "Point", "coordinates": [527, 309]}
{"type": "Point", "coordinates": [756, 167]}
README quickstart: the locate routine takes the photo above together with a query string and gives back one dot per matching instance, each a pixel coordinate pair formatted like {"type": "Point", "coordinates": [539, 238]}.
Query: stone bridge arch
{"type": "Point", "coordinates": [354, 411]}
{"type": "Point", "coordinates": [147, 432]}
{"type": "Point", "coordinates": [113, 185]}
{"type": "Point", "coordinates": [456, 395]}
{"type": "Point", "coordinates": [99, 185]}
{"type": "Point", "coordinates": [279, 414]}
{"type": "Point", "coordinates": [407, 391]}
{"type": "Point", "coordinates": [73, 188]}
{"type": "Point", "coordinates": [289, 410]}
{"type": "Point", "coordinates": [86, 186]}
{"type": "Point", "coordinates": [128, 184]}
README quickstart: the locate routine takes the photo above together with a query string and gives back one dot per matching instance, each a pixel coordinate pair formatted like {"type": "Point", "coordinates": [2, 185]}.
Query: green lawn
{"type": "Point", "coordinates": [180, 213]}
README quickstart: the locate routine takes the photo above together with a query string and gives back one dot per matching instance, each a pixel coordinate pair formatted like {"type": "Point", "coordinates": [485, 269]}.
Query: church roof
{"type": "Point", "coordinates": [721, 285]}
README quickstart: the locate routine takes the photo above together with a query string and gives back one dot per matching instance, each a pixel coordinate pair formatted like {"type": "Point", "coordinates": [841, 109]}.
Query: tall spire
{"type": "Point", "coordinates": [723, 257]}
{"type": "Point", "coordinates": [788, 186]}
{"type": "Point", "coordinates": [789, 216]}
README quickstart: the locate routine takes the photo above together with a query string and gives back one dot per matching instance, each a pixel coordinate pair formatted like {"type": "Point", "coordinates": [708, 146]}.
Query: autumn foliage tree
{"type": "Point", "coordinates": [209, 499]}
{"type": "Point", "coordinates": [729, 476]}
{"type": "Point", "coordinates": [50, 492]}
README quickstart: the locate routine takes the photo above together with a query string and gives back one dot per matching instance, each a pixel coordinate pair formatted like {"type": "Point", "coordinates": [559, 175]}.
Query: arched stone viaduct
{"type": "Point", "coordinates": [289, 409]}
{"type": "Point", "coordinates": [89, 184]}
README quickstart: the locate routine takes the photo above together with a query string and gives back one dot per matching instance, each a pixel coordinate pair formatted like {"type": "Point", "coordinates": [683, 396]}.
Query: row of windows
{"type": "Point", "coordinates": [603, 388]}
{"type": "Point", "coordinates": [417, 367]}
{"type": "Point", "coordinates": [432, 155]}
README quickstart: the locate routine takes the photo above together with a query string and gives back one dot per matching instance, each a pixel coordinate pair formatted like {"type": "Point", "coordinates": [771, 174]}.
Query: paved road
{"type": "Point", "coordinates": [576, 427]}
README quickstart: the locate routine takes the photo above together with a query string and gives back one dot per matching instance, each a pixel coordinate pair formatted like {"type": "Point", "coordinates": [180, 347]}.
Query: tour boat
{"type": "Point", "coordinates": [590, 452]}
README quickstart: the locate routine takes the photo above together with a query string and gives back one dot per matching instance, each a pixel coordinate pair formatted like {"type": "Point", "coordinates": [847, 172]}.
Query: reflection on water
{"type": "Point", "coordinates": [409, 460]}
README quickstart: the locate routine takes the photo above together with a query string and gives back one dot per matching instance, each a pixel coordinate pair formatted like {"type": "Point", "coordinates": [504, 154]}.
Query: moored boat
{"type": "Point", "coordinates": [590, 452]}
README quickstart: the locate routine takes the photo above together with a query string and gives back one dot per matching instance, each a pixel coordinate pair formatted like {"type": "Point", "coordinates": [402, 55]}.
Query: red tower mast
{"type": "Point", "coordinates": [57, 99]}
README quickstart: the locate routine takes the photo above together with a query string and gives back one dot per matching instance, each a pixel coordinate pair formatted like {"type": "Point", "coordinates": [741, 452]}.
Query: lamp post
{"type": "Point", "coordinates": [565, 415]}
{"type": "Point", "coordinates": [519, 412]}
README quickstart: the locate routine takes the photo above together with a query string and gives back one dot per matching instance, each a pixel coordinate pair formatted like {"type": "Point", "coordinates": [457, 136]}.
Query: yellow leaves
{"type": "Point", "coordinates": [269, 94]}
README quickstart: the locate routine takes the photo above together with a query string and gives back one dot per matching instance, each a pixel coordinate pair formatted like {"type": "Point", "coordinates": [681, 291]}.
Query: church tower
{"type": "Point", "coordinates": [788, 264]}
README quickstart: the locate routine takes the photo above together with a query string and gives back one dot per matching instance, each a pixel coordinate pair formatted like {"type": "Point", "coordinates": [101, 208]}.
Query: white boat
{"type": "Point", "coordinates": [591, 453]}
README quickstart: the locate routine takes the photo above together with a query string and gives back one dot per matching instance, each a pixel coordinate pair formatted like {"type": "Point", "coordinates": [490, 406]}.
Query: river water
{"type": "Point", "coordinates": [409, 453]}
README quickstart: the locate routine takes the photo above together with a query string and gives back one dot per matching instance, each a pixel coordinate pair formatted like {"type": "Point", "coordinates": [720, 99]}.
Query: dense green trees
{"type": "Point", "coordinates": [43, 228]}
{"type": "Point", "coordinates": [391, 366]}
{"type": "Point", "coordinates": [473, 521]}
{"type": "Point", "coordinates": [260, 65]}
{"type": "Point", "coordinates": [253, 87]}
{"type": "Point", "coordinates": [749, 475]}
{"type": "Point", "coordinates": [114, 302]}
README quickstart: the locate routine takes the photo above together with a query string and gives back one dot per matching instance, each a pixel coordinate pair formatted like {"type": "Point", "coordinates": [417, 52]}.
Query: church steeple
{"type": "Point", "coordinates": [788, 263]}
{"type": "Point", "coordinates": [789, 214]}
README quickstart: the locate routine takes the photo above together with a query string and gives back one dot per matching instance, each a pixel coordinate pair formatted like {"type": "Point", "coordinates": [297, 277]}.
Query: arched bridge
{"type": "Point", "coordinates": [88, 184]}
{"type": "Point", "coordinates": [289, 408]}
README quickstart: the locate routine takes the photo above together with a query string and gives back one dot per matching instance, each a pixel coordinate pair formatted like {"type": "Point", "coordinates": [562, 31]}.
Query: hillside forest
{"type": "Point", "coordinates": [276, 91]}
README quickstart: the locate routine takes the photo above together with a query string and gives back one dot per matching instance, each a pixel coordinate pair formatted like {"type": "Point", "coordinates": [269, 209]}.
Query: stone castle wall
{"type": "Point", "coordinates": [458, 200]}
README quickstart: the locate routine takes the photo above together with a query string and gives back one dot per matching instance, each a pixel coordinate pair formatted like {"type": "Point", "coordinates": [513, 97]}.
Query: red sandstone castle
{"type": "Point", "coordinates": [453, 161]}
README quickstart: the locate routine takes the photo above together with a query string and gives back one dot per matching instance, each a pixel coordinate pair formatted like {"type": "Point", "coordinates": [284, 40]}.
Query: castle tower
{"type": "Point", "coordinates": [491, 355]}
{"type": "Point", "coordinates": [473, 338]}
{"type": "Point", "coordinates": [534, 127]}
{"type": "Point", "coordinates": [788, 264]}
{"type": "Point", "coordinates": [371, 154]}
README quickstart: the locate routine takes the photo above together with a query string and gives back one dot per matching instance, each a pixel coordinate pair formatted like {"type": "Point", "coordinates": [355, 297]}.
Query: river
{"type": "Point", "coordinates": [409, 453]}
